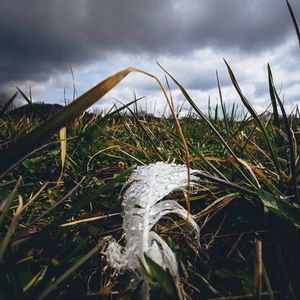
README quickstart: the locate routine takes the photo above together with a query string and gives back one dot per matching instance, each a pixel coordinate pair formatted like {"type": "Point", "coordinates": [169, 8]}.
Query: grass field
{"type": "Point", "coordinates": [61, 201]}
{"type": "Point", "coordinates": [62, 177]}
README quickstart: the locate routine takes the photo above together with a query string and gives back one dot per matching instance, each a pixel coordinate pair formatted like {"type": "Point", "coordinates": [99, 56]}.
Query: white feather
{"type": "Point", "coordinates": [142, 209]}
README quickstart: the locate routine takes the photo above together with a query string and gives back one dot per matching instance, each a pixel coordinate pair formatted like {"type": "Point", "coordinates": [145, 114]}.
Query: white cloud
{"type": "Point", "coordinates": [195, 71]}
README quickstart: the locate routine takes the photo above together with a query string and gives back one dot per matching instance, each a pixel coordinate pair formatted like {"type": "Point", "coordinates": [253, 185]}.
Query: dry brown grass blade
{"type": "Point", "coordinates": [217, 205]}
{"type": "Point", "coordinates": [63, 145]}
{"type": "Point", "coordinates": [92, 219]}
{"type": "Point", "coordinates": [249, 167]}
{"type": "Point", "coordinates": [18, 150]}
{"type": "Point", "coordinates": [63, 151]}
{"type": "Point", "coordinates": [184, 143]}
{"type": "Point", "coordinates": [258, 266]}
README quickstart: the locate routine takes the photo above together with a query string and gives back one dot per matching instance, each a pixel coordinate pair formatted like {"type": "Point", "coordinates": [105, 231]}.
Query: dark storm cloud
{"type": "Point", "coordinates": [40, 37]}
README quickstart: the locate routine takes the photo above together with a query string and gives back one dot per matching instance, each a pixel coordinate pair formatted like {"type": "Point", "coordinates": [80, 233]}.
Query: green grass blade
{"type": "Point", "coordinates": [294, 20]}
{"type": "Point", "coordinates": [233, 114]}
{"type": "Point", "coordinates": [273, 99]}
{"type": "Point", "coordinates": [11, 229]}
{"type": "Point", "coordinates": [209, 110]}
{"type": "Point", "coordinates": [267, 283]}
{"type": "Point", "coordinates": [4, 207]}
{"type": "Point", "coordinates": [8, 103]}
{"type": "Point", "coordinates": [216, 113]}
{"type": "Point", "coordinates": [280, 207]}
{"type": "Point", "coordinates": [290, 135]}
{"type": "Point", "coordinates": [222, 104]}
{"type": "Point", "coordinates": [163, 277]}
{"type": "Point", "coordinates": [255, 117]}
{"type": "Point", "coordinates": [226, 184]}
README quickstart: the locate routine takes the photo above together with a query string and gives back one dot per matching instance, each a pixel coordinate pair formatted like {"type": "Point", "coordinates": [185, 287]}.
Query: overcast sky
{"type": "Point", "coordinates": [40, 40]}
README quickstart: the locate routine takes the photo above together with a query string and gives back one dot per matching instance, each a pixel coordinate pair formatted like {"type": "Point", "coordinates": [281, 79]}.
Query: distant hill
{"type": "Point", "coordinates": [35, 109]}
{"type": "Point", "coordinates": [45, 110]}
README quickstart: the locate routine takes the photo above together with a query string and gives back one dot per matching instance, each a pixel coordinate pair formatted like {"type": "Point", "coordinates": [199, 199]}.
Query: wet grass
{"type": "Point", "coordinates": [62, 200]}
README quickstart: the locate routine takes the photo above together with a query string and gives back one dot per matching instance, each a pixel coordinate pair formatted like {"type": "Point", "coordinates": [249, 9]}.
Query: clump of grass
{"type": "Point", "coordinates": [248, 188]}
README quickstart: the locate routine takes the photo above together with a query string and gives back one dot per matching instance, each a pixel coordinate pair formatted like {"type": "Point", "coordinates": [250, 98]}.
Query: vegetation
{"type": "Point", "coordinates": [62, 175]}
{"type": "Point", "coordinates": [55, 216]}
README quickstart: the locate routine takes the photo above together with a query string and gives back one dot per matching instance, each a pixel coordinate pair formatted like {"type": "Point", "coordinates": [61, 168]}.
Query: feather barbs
{"type": "Point", "coordinates": [142, 209]}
